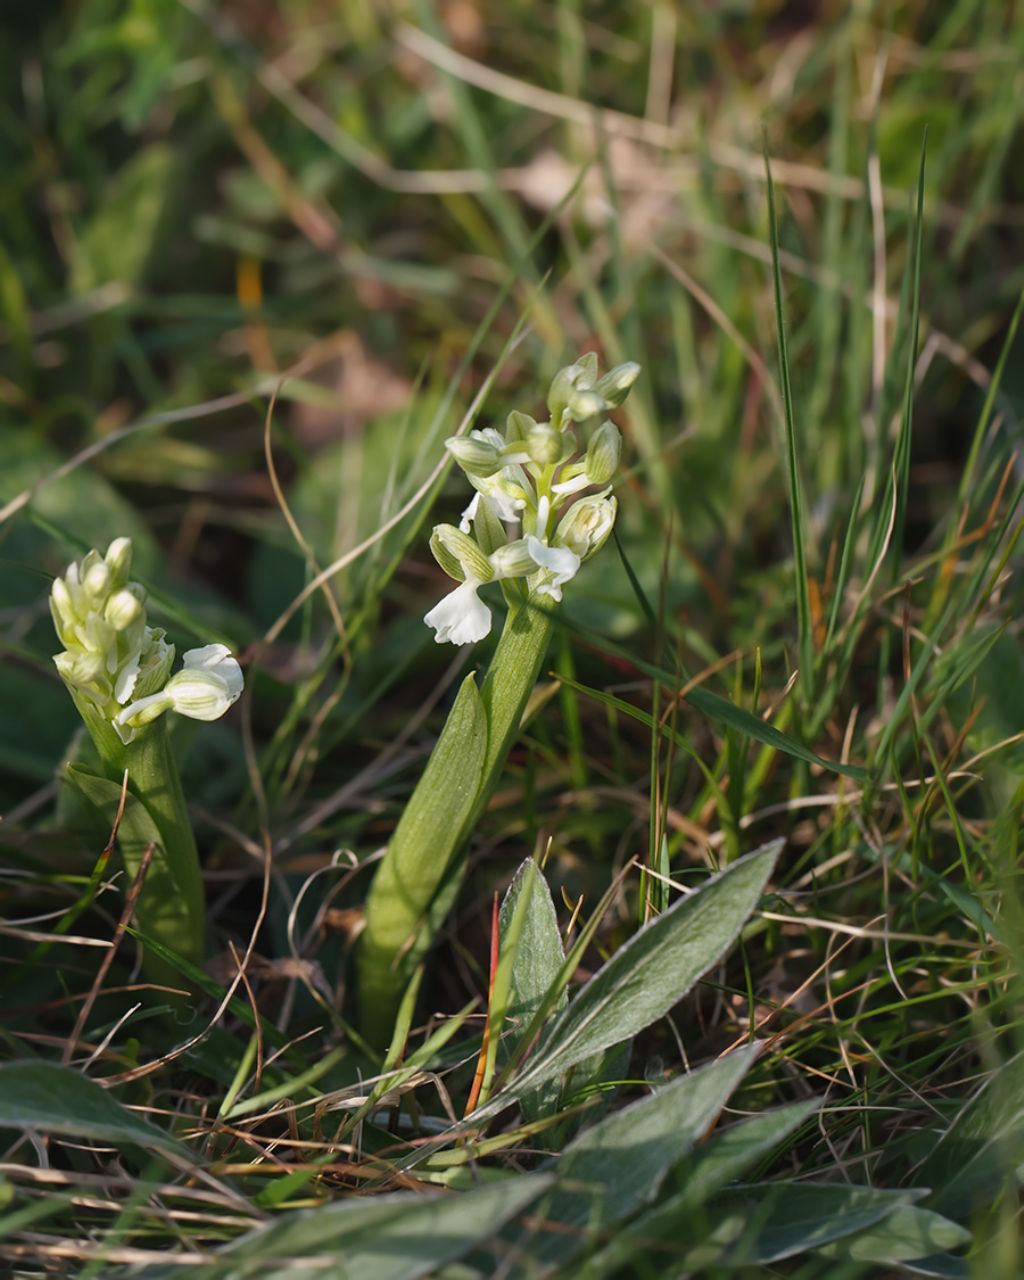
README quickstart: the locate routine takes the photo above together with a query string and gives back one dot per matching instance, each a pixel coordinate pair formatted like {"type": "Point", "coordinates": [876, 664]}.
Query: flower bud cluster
{"type": "Point", "coordinates": [529, 518]}
{"type": "Point", "coordinates": [118, 665]}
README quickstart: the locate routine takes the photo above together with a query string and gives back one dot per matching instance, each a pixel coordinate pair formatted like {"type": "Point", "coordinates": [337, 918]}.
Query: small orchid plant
{"type": "Point", "coordinates": [117, 669]}
{"type": "Point", "coordinates": [526, 522]}
{"type": "Point", "coordinates": [543, 505]}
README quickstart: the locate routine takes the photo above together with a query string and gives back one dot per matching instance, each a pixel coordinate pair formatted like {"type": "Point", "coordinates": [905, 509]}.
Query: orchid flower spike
{"type": "Point", "coordinates": [530, 518]}
{"type": "Point", "coordinates": [116, 665]}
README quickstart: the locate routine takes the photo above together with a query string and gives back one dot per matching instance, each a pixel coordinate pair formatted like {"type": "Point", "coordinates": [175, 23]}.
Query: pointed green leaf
{"type": "Point", "coordinates": [55, 1099]}
{"type": "Point", "coordinates": [983, 1145]}
{"type": "Point", "coordinates": [618, 1165]}
{"type": "Point", "coordinates": [700, 1175]}
{"type": "Point", "coordinates": [764, 1223]}
{"type": "Point", "coordinates": [908, 1233]}
{"type": "Point", "coordinates": [652, 972]}
{"type": "Point", "coordinates": [539, 955]}
{"type": "Point", "coordinates": [388, 1237]}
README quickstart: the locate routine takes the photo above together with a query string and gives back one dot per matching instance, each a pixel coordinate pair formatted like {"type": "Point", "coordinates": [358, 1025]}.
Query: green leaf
{"type": "Point", "coordinates": [119, 238]}
{"type": "Point", "coordinates": [651, 972]}
{"type": "Point", "coordinates": [426, 840]}
{"type": "Point", "coordinates": [764, 1223]}
{"type": "Point", "coordinates": [618, 1165]}
{"type": "Point", "coordinates": [983, 1145]}
{"type": "Point", "coordinates": [908, 1233]}
{"type": "Point", "coordinates": [389, 1237]}
{"type": "Point", "coordinates": [796, 502]}
{"type": "Point", "coordinates": [55, 1099]}
{"type": "Point", "coordinates": [733, 1151]}
{"type": "Point", "coordinates": [727, 713]}
{"type": "Point", "coordinates": [700, 1175]}
{"type": "Point", "coordinates": [539, 955]}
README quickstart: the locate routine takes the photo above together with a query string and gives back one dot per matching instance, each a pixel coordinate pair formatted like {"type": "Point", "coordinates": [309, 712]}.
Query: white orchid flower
{"type": "Point", "coordinates": [208, 684]}
{"type": "Point", "coordinates": [460, 617]}
{"type": "Point", "coordinates": [523, 480]}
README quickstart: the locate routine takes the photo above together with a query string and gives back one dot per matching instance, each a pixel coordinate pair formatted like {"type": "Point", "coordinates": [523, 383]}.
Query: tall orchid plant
{"type": "Point", "coordinates": [117, 670]}
{"type": "Point", "coordinates": [542, 506]}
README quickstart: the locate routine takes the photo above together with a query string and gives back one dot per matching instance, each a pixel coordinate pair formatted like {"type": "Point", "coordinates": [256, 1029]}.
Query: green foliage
{"type": "Point", "coordinates": [46, 1098]}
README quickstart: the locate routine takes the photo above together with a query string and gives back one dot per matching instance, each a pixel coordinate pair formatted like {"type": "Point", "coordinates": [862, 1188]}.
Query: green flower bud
{"type": "Point", "coordinates": [585, 527]}
{"type": "Point", "coordinates": [513, 560]}
{"type": "Point", "coordinates": [518, 426]}
{"type": "Point", "coordinates": [603, 453]}
{"type": "Point", "coordinates": [123, 608]}
{"type": "Point", "coordinates": [62, 609]}
{"type": "Point", "coordinates": [574, 377]}
{"type": "Point", "coordinates": [476, 454]}
{"type": "Point", "coordinates": [489, 531]}
{"type": "Point", "coordinates": [456, 550]}
{"type": "Point", "coordinates": [119, 561]}
{"type": "Point", "coordinates": [616, 383]}
{"type": "Point", "coordinates": [95, 576]}
{"type": "Point", "coordinates": [544, 444]}
{"type": "Point", "coordinates": [585, 404]}
{"type": "Point", "coordinates": [80, 669]}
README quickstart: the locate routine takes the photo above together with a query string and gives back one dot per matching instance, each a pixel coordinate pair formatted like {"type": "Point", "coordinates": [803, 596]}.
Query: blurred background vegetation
{"type": "Point", "coordinates": [198, 199]}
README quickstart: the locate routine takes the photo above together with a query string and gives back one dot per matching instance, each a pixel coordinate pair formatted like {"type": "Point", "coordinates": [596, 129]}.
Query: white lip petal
{"type": "Point", "coordinates": [557, 560]}
{"type": "Point", "coordinates": [558, 564]}
{"type": "Point", "coordinates": [460, 617]}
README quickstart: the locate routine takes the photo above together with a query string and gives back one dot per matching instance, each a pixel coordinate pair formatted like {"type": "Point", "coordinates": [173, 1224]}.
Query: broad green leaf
{"type": "Point", "coordinates": [539, 955]}
{"type": "Point", "coordinates": [55, 1099]}
{"type": "Point", "coordinates": [651, 972]}
{"type": "Point", "coordinates": [764, 1223]}
{"type": "Point", "coordinates": [908, 1233]}
{"type": "Point", "coordinates": [983, 1145]}
{"type": "Point", "coordinates": [733, 1151]}
{"type": "Point", "coordinates": [618, 1165]}
{"type": "Point", "coordinates": [389, 1237]}
{"type": "Point", "coordinates": [425, 842]}
{"type": "Point", "coordinates": [700, 1175]}
{"type": "Point", "coordinates": [536, 964]}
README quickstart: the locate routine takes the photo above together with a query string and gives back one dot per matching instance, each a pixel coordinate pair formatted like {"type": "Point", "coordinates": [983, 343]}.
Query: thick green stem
{"type": "Point", "coordinates": [171, 904]}
{"type": "Point", "coordinates": [153, 777]}
{"type": "Point", "coordinates": [402, 908]}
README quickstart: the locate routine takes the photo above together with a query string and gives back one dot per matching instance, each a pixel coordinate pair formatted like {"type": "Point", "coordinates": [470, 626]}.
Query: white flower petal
{"type": "Point", "coordinates": [460, 617]}
{"type": "Point", "coordinates": [218, 660]}
{"type": "Point", "coordinates": [558, 564]}
{"type": "Point", "coordinates": [572, 486]}
{"type": "Point", "coordinates": [141, 711]}
{"type": "Point", "coordinates": [127, 678]}
{"type": "Point", "coordinates": [200, 694]}
{"type": "Point", "coordinates": [466, 523]}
